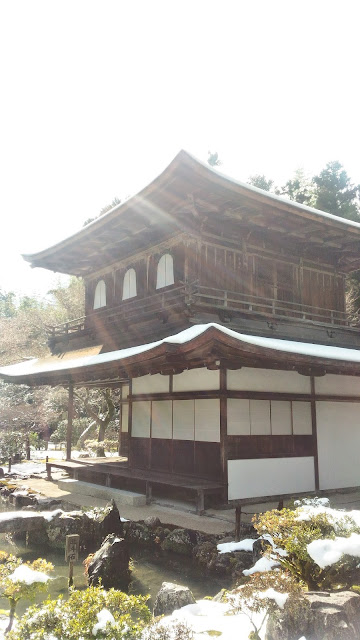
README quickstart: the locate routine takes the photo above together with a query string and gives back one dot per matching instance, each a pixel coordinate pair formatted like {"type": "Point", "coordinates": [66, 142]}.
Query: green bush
{"type": "Point", "coordinates": [291, 532]}
{"type": "Point", "coordinates": [12, 443]}
{"type": "Point", "coordinates": [77, 617]}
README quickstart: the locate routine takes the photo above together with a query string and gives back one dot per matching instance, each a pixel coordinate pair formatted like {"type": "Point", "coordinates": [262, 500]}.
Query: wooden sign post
{"type": "Point", "coordinates": [72, 545]}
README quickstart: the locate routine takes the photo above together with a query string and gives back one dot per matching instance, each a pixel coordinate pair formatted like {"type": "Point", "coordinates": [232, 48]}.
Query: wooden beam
{"type": "Point", "coordinates": [314, 434]}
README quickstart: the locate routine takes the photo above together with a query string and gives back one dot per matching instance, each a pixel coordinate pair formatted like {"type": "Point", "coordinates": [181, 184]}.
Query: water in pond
{"type": "Point", "coordinates": [150, 570]}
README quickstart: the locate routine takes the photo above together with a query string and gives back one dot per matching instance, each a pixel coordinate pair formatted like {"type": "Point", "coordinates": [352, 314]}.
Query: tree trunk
{"type": "Point", "coordinates": [12, 615]}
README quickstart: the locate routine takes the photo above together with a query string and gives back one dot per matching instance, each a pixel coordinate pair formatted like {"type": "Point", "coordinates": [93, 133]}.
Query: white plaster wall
{"type": "Point", "coordinates": [248, 379]}
{"type": "Point", "coordinates": [151, 384]}
{"type": "Point", "coordinates": [338, 385]}
{"type": "Point", "coordinates": [124, 418]}
{"type": "Point", "coordinates": [161, 419]}
{"type": "Point", "coordinates": [238, 417]}
{"type": "Point", "coordinates": [338, 434]}
{"type": "Point", "coordinates": [197, 380]}
{"type": "Point", "coordinates": [270, 476]}
{"type": "Point", "coordinates": [183, 419]}
{"type": "Point", "coordinates": [302, 423]}
{"type": "Point", "coordinates": [141, 419]}
{"type": "Point", "coordinates": [260, 417]}
{"type": "Point", "coordinates": [280, 418]}
{"type": "Point", "coordinates": [207, 420]}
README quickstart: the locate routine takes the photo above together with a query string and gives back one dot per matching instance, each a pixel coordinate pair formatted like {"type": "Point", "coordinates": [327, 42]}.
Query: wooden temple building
{"type": "Point", "coordinates": [219, 310]}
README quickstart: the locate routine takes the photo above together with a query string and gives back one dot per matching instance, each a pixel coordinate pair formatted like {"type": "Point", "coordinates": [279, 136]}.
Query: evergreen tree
{"type": "Point", "coordinates": [260, 181]}
{"type": "Point", "coordinates": [335, 193]}
{"type": "Point", "coordinates": [300, 188]}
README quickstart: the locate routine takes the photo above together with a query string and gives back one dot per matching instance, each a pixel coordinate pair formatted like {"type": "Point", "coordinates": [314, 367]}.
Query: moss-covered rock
{"type": "Point", "coordinates": [179, 541]}
{"type": "Point", "coordinates": [139, 533]}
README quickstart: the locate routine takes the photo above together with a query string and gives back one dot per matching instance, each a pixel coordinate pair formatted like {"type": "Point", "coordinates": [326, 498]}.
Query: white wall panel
{"type": "Point", "coordinates": [302, 423]}
{"type": "Point", "coordinates": [161, 419]}
{"type": "Point", "coordinates": [197, 380]}
{"type": "Point", "coordinates": [183, 419]}
{"type": "Point", "coordinates": [238, 417]}
{"type": "Point", "coordinates": [141, 419]}
{"type": "Point", "coordinates": [280, 418]}
{"type": "Point", "coordinates": [124, 418]}
{"type": "Point", "coordinates": [248, 379]}
{"type": "Point", "coordinates": [270, 477]}
{"type": "Point", "coordinates": [260, 417]}
{"type": "Point", "coordinates": [207, 420]}
{"type": "Point", "coordinates": [338, 385]}
{"type": "Point", "coordinates": [338, 433]}
{"type": "Point", "coordinates": [151, 384]}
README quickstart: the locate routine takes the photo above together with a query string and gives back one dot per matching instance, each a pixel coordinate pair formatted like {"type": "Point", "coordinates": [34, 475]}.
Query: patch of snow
{"type": "Point", "coordinates": [279, 598]}
{"type": "Point", "coordinates": [26, 468]}
{"type": "Point", "coordinates": [243, 545]}
{"type": "Point", "coordinates": [28, 576]}
{"type": "Point", "coordinates": [47, 515]}
{"type": "Point", "coordinates": [328, 552]}
{"type": "Point", "coordinates": [205, 616]}
{"type": "Point", "coordinates": [261, 566]}
{"type": "Point", "coordinates": [104, 617]}
{"type": "Point", "coordinates": [312, 502]}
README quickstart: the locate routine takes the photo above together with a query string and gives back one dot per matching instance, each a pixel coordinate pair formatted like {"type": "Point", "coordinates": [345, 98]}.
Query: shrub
{"type": "Point", "coordinates": [21, 580]}
{"type": "Point", "coordinates": [293, 530]}
{"type": "Point", "coordinates": [85, 615]}
{"type": "Point", "coordinates": [12, 443]}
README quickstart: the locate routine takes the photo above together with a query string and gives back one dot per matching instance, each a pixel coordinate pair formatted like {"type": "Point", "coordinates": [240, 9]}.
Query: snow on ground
{"type": "Point", "coordinates": [47, 515]}
{"type": "Point", "coordinates": [261, 566]}
{"type": "Point", "coordinates": [207, 616]}
{"type": "Point", "coordinates": [279, 598]}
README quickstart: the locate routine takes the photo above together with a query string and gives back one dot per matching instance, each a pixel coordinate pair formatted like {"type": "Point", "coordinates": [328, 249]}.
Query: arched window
{"type": "Point", "coordinates": [129, 284]}
{"type": "Point", "coordinates": [100, 295]}
{"type": "Point", "coordinates": [165, 271]}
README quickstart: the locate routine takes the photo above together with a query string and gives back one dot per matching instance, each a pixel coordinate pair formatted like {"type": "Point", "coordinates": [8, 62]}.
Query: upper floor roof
{"type": "Point", "coordinates": [186, 195]}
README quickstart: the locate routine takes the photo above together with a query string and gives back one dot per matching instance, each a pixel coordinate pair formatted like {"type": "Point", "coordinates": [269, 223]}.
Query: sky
{"type": "Point", "coordinates": [97, 97]}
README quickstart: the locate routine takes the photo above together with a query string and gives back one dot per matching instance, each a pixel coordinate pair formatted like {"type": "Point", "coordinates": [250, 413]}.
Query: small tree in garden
{"type": "Point", "coordinates": [92, 613]}
{"type": "Point", "coordinates": [294, 530]}
{"type": "Point", "coordinates": [20, 580]}
{"type": "Point", "coordinates": [264, 594]}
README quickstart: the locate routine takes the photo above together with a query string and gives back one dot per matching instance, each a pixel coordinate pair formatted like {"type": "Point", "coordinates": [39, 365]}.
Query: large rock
{"type": "Point", "coordinates": [110, 522]}
{"type": "Point", "coordinates": [182, 541]}
{"type": "Point", "coordinates": [67, 523]}
{"type": "Point", "coordinates": [110, 564]}
{"type": "Point", "coordinates": [170, 597]}
{"type": "Point", "coordinates": [321, 616]}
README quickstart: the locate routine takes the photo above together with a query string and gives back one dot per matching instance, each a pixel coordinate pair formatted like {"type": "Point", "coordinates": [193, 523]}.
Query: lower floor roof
{"type": "Point", "coordinates": [211, 345]}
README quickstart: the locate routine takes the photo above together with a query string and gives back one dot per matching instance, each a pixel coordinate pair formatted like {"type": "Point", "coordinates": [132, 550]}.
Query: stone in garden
{"type": "Point", "coordinates": [110, 564]}
{"type": "Point", "coordinates": [321, 616]}
{"type": "Point", "coordinates": [152, 521]}
{"type": "Point", "coordinates": [170, 597]}
{"type": "Point", "coordinates": [110, 522]}
{"type": "Point", "coordinates": [180, 541]}
{"type": "Point", "coordinates": [1, 472]}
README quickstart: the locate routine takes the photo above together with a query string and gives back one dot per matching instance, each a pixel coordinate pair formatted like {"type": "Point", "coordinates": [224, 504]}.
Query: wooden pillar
{"type": "Point", "coordinates": [223, 433]}
{"type": "Point", "coordinates": [314, 434]}
{"type": "Point", "coordinates": [70, 421]}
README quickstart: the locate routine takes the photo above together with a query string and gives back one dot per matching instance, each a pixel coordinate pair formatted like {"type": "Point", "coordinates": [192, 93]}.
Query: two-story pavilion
{"type": "Point", "coordinates": [219, 309]}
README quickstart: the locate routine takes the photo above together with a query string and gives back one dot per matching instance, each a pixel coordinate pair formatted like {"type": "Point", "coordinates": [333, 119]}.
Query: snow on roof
{"type": "Point", "coordinates": [55, 363]}
{"type": "Point", "coordinates": [185, 155]}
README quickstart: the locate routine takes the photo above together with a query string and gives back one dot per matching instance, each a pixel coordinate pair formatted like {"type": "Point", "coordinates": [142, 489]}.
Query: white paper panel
{"type": "Point", "coordinates": [270, 477]}
{"type": "Point", "coordinates": [280, 418]}
{"type": "Point", "coordinates": [338, 434]}
{"type": "Point", "coordinates": [338, 385]}
{"type": "Point", "coordinates": [260, 417]}
{"type": "Point", "coordinates": [196, 380]}
{"type": "Point", "coordinates": [248, 379]}
{"type": "Point", "coordinates": [302, 418]}
{"type": "Point", "coordinates": [161, 419]}
{"type": "Point", "coordinates": [141, 419]}
{"type": "Point", "coordinates": [183, 419]}
{"type": "Point", "coordinates": [124, 417]}
{"type": "Point", "coordinates": [151, 384]}
{"type": "Point", "coordinates": [238, 417]}
{"type": "Point", "coordinates": [207, 420]}
{"type": "Point", "coordinates": [125, 391]}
